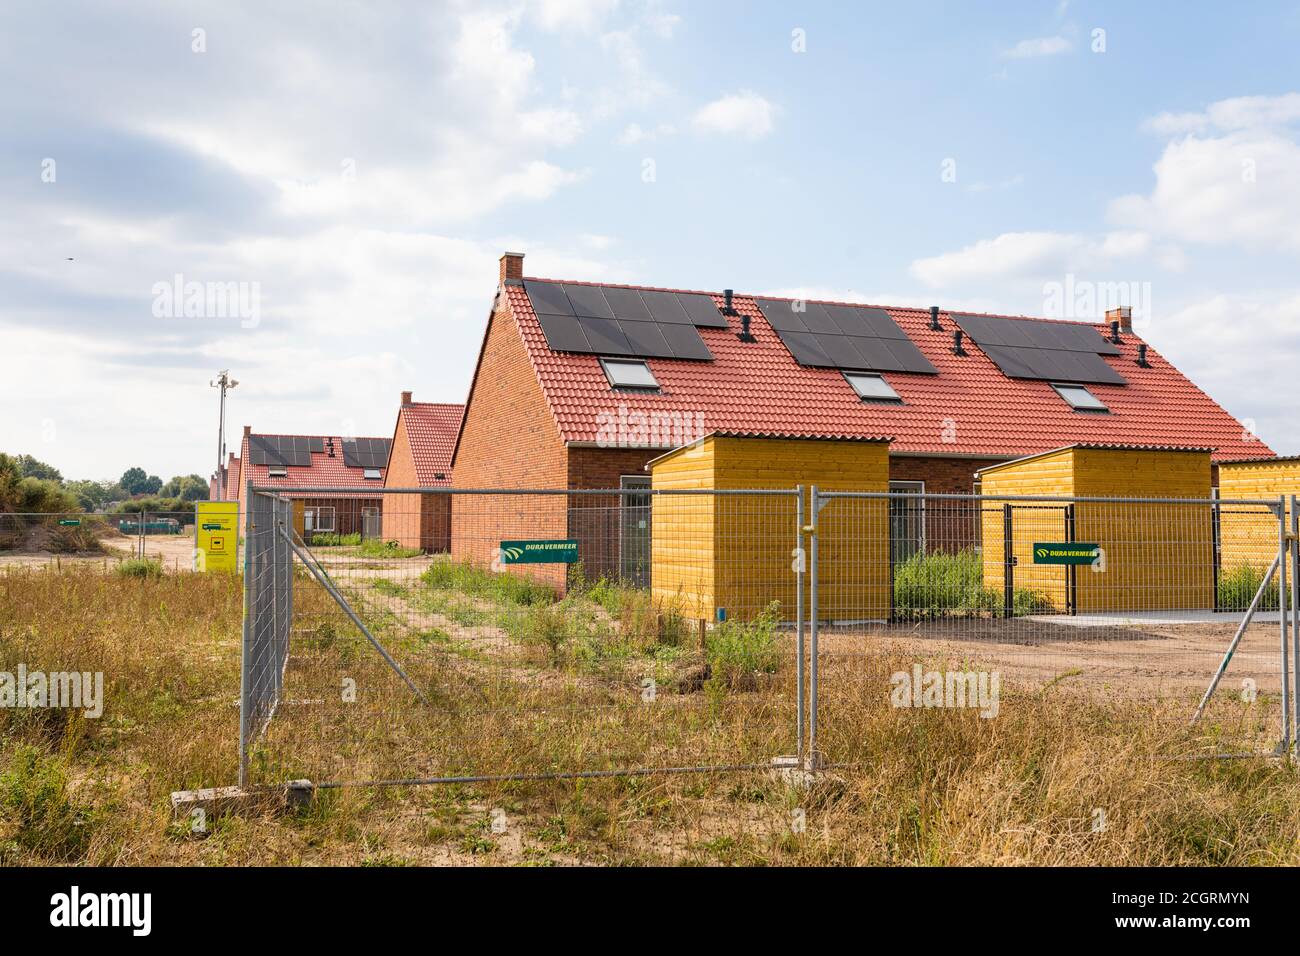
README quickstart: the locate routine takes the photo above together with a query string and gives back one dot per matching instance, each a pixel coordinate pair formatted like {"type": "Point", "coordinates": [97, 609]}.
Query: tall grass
{"type": "Point", "coordinates": [1238, 585]}
{"type": "Point", "coordinates": [469, 578]}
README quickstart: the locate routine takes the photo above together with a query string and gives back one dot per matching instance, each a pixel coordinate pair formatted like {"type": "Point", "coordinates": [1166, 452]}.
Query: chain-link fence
{"type": "Point", "coordinates": [497, 635]}
{"type": "Point", "coordinates": [155, 534]}
{"type": "Point", "coordinates": [1129, 604]}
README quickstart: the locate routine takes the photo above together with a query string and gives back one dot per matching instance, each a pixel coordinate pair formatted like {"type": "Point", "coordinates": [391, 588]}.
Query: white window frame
{"type": "Point", "coordinates": [909, 486]}
{"type": "Point", "coordinates": [893, 397]}
{"type": "Point", "coordinates": [607, 363]}
{"type": "Point", "coordinates": [371, 474]}
{"type": "Point", "coordinates": [311, 518]}
{"type": "Point", "coordinates": [625, 484]}
{"type": "Point", "coordinates": [274, 472]}
{"type": "Point", "coordinates": [1101, 408]}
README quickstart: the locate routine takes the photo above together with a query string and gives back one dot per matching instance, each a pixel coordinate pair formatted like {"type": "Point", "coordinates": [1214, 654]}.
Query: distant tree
{"type": "Point", "coordinates": [30, 467]}
{"type": "Point", "coordinates": [151, 485]}
{"type": "Point", "coordinates": [133, 481]}
{"type": "Point", "coordinates": [92, 495]}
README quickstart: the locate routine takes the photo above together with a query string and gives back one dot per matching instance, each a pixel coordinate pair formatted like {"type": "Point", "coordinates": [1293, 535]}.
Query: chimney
{"type": "Point", "coordinates": [248, 430]}
{"type": "Point", "coordinates": [512, 266]}
{"type": "Point", "coordinates": [1123, 315]}
{"type": "Point", "coordinates": [406, 398]}
{"type": "Point", "coordinates": [934, 319]}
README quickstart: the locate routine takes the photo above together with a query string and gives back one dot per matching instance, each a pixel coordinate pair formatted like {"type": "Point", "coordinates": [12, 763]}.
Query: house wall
{"type": "Point", "coordinates": [735, 552]}
{"type": "Point", "coordinates": [508, 440]}
{"type": "Point", "coordinates": [597, 521]}
{"type": "Point", "coordinates": [413, 520]}
{"type": "Point", "coordinates": [1157, 557]}
{"type": "Point", "coordinates": [1248, 533]}
{"type": "Point", "coordinates": [950, 526]}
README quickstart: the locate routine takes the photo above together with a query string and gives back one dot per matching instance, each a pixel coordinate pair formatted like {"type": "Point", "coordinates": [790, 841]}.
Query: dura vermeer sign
{"type": "Point", "coordinates": [1066, 552]}
{"type": "Point", "coordinates": [539, 552]}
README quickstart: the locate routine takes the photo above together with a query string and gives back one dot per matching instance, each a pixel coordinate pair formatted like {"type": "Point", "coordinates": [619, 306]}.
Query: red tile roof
{"type": "Point", "coordinates": [324, 472]}
{"type": "Point", "coordinates": [431, 429]}
{"type": "Point", "coordinates": [970, 408]}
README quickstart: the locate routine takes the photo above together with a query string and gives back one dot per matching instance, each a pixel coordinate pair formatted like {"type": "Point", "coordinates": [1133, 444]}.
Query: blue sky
{"type": "Point", "coordinates": [356, 171]}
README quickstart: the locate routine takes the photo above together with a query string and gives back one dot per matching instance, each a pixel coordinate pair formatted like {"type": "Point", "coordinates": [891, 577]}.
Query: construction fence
{"type": "Point", "coordinates": [543, 633]}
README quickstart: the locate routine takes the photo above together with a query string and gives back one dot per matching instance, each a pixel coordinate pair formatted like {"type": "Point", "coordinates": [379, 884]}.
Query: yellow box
{"type": "Point", "coordinates": [216, 535]}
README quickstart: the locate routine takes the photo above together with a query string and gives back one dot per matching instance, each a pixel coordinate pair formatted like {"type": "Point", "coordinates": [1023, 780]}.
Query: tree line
{"type": "Point", "coordinates": [29, 485]}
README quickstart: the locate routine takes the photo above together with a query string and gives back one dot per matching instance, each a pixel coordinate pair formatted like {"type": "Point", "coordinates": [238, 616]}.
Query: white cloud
{"type": "Point", "coordinates": [580, 15]}
{"type": "Point", "coordinates": [1232, 180]}
{"type": "Point", "coordinates": [741, 114]}
{"type": "Point", "coordinates": [1039, 46]}
{"type": "Point", "coordinates": [1027, 255]}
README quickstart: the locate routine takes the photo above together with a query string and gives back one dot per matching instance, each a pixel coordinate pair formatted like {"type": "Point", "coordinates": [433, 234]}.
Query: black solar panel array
{"type": "Point", "coordinates": [1042, 349]}
{"type": "Point", "coordinates": [603, 320]}
{"type": "Point", "coordinates": [843, 336]}
{"type": "Point", "coordinates": [283, 451]}
{"type": "Point", "coordinates": [366, 452]}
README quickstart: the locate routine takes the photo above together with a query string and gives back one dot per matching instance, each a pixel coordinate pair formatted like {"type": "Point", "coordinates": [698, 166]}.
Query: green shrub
{"type": "Point", "coordinates": [331, 539]}
{"type": "Point", "coordinates": [1238, 585]}
{"type": "Point", "coordinates": [951, 584]}
{"type": "Point", "coordinates": [496, 586]}
{"type": "Point", "coordinates": [738, 651]}
{"type": "Point", "coordinates": [140, 568]}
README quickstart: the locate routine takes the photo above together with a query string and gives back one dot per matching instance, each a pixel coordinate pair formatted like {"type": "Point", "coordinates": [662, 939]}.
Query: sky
{"type": "Point", "coordinates": [315, 196]}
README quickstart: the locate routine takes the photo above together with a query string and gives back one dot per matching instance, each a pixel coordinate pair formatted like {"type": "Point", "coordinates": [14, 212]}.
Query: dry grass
{"type": "Point", "coordinates": [926, 786]}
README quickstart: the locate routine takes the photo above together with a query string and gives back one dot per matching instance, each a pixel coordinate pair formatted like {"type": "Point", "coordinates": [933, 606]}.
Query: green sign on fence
{"type": "Point", "coordinates": [1067, 552]}
{"type": "Point", "coordinates": [213, 526]}
{"type": "Point", "coordinates": [69, 522]}
{"type": "Point", "coordinates": [539, 552]}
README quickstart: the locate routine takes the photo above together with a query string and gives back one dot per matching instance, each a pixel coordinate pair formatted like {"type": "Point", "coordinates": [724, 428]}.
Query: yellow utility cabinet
{"type": "Point", "coordinates": [730, 556]}
{"type": "Point", "coordinates": [1152, 556]}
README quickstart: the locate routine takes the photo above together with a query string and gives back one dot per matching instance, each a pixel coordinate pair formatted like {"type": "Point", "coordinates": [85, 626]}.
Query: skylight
{"type": "Point", "coordinates": [1080, 399]}
{"type": "Point", "coordinates": [371, 473]}
{"type": "Point", "coordinates": [872, 388]}
{"type": "Point", "coordinates": [629, 374]}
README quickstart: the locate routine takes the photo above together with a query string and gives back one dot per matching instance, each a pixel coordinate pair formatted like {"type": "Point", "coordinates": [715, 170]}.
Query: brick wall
{"type": "Point", "coordinates": [509, 440]}
{"type": "Point", "coordinates": [949, 525]}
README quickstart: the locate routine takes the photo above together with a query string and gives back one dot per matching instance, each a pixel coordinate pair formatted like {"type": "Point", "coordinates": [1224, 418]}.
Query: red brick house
{"type": "Point", "coordinates": [420, 457]}
{"type": "Point", "coordinates": [574, 389]}
{"type": "Point", "coordinates": [354, 466]}
{"type": "Point", "coordinates": [229, 480]}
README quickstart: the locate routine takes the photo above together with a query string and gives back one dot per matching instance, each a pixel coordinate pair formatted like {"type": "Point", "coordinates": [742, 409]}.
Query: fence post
{"type": "Point", "coordinates": [802, 562]}
{"type": "Point", "coordinates": [244, 715]}
{"type": "Point", "coordinates": [1295, 615]}
{"type": "Point", "coordinates": [1283, 553]}
{"type": "Point", "coordinates": [1008, 564]}
{"type": "Point", "coordinates": [813, 614]}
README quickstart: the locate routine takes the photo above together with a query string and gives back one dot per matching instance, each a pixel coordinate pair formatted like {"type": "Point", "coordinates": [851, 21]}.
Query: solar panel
{"type": "Point", "coordinates": [602, 320]}
{"type": "Point", "coordinates": [843, 336]}
{"type": "Point", "coordinates": [366, 452]}
{"type": "Point", "coordinates": [1043, 349]}
{"type": "Point", "coordinates": [280, 451]}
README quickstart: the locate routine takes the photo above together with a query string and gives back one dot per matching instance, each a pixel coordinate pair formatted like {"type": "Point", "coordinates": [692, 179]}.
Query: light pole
{"type": "Point", "coordinates": [224, 382]}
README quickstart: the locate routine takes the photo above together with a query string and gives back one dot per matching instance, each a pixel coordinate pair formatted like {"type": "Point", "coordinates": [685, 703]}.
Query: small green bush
{"type": "Point", "coordinates": [140, 568]}
{"type": "Point", "coordinates": [738, 651]}
{"type": "Point", "coordinates": [951, 584]}
{"type": "Point", "coordinates": [331, 539]}
{"type": "Point", "coordinates": [496, 586]}
{"type": "Point", "coordinates": [374, 548]}
{"type": "Point", "coordinates": [1237, 587]}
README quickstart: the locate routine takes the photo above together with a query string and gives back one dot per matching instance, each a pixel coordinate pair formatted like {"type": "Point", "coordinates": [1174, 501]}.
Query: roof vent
{"type": "Point", "coordinates": [329, 447]}
{"type": "Point", "coordinates": [956, 343]}
{"type": "Point", "coordinates": [1142, 355]}
{"type": "Point", "coordinates": [934, 319]}
{"type": "Point", "coordinates": [745, 335]}
{"type": "Point", "coordinates": [1114, 332]}
{"type": "Point", "coordinates": [728, 308]}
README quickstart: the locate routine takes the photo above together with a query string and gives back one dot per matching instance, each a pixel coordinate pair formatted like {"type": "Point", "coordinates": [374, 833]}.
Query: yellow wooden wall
{"type": "Point", "coordinates": [739, 556]}
{"type": "Point", "coordinates": [1248, 534]}
{"type": "Point", "coordinates": [1158, 556]}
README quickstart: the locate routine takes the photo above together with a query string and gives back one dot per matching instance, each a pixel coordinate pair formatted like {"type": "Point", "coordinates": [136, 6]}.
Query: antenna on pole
{"type": "Point", "coordinates": [224, 382]}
